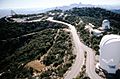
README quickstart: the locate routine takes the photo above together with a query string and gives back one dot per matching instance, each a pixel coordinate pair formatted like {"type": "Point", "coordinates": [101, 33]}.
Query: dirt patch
{"type": "Point", "coordinates": [36, 65]}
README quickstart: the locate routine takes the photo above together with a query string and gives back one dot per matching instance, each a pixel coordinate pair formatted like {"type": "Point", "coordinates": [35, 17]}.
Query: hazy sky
{"type": "Point", "coordinates": [4, 4]}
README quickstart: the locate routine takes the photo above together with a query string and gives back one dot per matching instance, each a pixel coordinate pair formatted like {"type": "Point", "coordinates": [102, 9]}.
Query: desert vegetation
{"type": "Point", "coordinates": [47, 42]}
{"type": "Point", "coordinates": [26, 42]}
{"type": "Point", "coordinates": [94, 16]}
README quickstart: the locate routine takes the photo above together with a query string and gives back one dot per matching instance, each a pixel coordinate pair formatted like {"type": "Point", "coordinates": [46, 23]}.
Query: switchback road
{"type": "Point", "coordinates": [80, 48]}
{"type": "Point", "coordinates": [90, 63]}
{"type": "Point", "coordinates": [76, 67]}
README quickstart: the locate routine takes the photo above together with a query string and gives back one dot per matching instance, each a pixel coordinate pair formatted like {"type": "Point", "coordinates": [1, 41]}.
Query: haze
{"type": "Point", "coordinates": [42, 4]}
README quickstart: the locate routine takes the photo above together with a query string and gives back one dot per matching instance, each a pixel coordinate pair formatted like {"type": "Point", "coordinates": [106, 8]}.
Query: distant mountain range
{"type": "Point", "coordinates": [116, 10]}
{"type": "Point", "coordinates": [5, 12]}
{"type": "Point", "coordinates": [75, 5]}
{"type": "Point", "coordinates": [109, 7]}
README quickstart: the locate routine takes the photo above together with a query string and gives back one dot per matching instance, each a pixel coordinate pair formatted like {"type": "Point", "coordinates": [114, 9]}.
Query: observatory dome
{"type": "Point", "coordinates": [105, 24]}
{"type": "Point", "coordinates": [110, 53]}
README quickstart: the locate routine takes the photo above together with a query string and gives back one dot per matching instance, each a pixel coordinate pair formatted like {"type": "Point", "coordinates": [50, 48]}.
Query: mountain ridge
{"type": "Point", "coordinates": [5, 12]}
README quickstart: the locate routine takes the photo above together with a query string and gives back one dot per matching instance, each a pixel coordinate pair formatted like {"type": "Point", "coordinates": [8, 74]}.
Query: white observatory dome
{"type": "Point", "coordinates": [105, 24]}
{"type": "Point", "coordinates": [110, 53]}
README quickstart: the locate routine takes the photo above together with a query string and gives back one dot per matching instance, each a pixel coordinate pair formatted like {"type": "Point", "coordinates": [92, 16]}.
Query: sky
{"type": "Point", "coordinates": [42, 4]}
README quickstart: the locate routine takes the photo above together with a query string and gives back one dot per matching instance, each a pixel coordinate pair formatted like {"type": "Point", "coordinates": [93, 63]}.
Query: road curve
{"type": "Point", "coordinates": [76, 67]}
{"type": "Point", "coordinates": [80, 48]}
{"type": "Point", "coordinates": [90, 63]}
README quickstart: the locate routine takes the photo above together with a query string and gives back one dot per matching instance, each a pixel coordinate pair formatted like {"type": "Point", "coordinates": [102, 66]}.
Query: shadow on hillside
{"type": "Point", "coordinates": [113, 76]}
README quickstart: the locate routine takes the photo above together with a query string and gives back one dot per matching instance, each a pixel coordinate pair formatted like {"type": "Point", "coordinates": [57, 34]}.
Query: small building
{"type": "Point", "coordinates": [105, 24]}
{"type": "Point", "coordinates": [96, 32]}
{"type": "Point", "coordinates": [93, 32]}
{"type": "Point", "coordinates": [91, 25]}
{"type": "Point", "coordinates": [110, 53]}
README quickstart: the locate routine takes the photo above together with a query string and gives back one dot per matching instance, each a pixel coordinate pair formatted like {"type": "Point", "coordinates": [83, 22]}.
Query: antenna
{"type": "Point", "coordinates": [13, 12]}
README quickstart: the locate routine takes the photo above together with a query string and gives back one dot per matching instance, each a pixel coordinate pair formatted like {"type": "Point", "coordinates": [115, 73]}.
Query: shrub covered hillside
{"type": "Point", "coordinates": [13, 35]}
{"type": "Point", "coordinates": [43, 42]}
{"type": "Point", "coordinates": [36, 46]}
{"type": "Point", "coordinates": [94, 16]}
{"type": "Point", "coordinates": [14, 29]}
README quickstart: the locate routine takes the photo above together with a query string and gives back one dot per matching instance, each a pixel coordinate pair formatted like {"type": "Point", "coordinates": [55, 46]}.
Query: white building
{"type": "Point", "coordinates": [92, 31]}
{"type": "Point", "coordinates": [105, 24]}
{"type": "Point", "coordinates": [110, 53]}
{"type": "Point", "coordinates": [96, 32]}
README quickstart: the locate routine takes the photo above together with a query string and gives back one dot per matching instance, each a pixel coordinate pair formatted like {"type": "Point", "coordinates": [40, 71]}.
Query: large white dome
{"type": "Point", "coordinates": [110, 53]}
{"type": "Point", "coordinates": [109, 38]}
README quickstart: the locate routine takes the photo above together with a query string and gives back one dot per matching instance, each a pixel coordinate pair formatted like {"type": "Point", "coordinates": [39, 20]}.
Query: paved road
{"type": "Point", "coordinates": [76, 67]}
{"type": "Point", "coordinates": [79, 49]}
{"type": "Point", "coordinates": [23, 20]}
{"type": "Point", "coordinates": [90, 63]}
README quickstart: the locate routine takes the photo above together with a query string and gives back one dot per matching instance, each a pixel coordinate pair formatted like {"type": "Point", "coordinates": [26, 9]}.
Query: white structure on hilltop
{"type": "Point", "coordinates": [92, 31]}
{"type": "Point", "coordinates": [105, 24]}
{"type": "Point", "coordinates": [110, 53]}
{"type": "Point", "coordinates": [96, 32]}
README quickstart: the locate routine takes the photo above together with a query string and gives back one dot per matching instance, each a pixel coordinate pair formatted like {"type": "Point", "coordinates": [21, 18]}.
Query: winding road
{"type": "Point", "coordinates": [90, 63]}
{"type": "Point", "coordinates": [80, 48]}
{"type": "Point", "coordinates": [76, 67]}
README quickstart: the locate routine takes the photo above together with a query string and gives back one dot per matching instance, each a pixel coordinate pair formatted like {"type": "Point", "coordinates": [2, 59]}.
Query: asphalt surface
{"type": "Point", "coordinates": [77, 65]}
{"type": "Point", "coordinates": [80, 48]}
{"type": "Point", "coordinates": [90, 63]}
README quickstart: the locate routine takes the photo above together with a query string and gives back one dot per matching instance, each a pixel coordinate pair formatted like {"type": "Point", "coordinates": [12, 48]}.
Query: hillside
{"type": "Point", "coordinates": [94, 16]}
{"type": "Point", "coordinates": [24, 40]}
{"type": "Point", "coordinates": [116, 11]}
{"type": "Point", "coordinates": [24, 44]}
